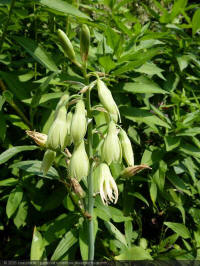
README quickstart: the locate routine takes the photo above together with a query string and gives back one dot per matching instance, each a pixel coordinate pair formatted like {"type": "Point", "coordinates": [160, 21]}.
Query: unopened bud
{"type": "Point", "coordinates": [107, 100]}
{"type": "Point", "coordinates": [111, 149]}
{"type": "Point", "coordinates": [48, 159]}
{"type": "Point", "coordinates": [133, 170]}
{"type": "Point", "coordinates": [79, 123]}
{"type": "Point", "coordinates": [127, 150]}
{"type": "Point", "coordinates": [39, 138]}
{"type": "Point", "coordinates": [79, 162]}
{"type": "Point", "coordinates": [84, 42]}
{"type": "Point", "coordinates": [66, 45]}
{"type": "Point", "coordinates": [105, 184]}
{"type": "Point", "coordinates": [57, 132]}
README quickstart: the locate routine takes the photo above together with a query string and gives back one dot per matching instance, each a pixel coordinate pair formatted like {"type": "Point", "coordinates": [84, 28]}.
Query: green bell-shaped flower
{"type": "Point", "coordinates": [79, 162]}
{"type": "Point", "coordinates": [111, 148]}
{"type": "Point", "coordinates": [47, 161]}
{"type": "Point", "coordinates": [79, 123]}
{"type": "Point", "coordinates": [58, 130]}
{"type": "Point", "coordinates": [107, 100]}
{"type": "Point", "coordinates": [127, 150]}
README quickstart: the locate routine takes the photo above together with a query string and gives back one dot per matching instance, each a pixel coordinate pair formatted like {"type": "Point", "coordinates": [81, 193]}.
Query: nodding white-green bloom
{"type": "Point", "coordinates": [105, 184]}
{"type": "Point", "coordinates": [38, 137]}
{"type": "Point", "coordinates": [79, 122]}
{"type": "Point", "coordinates": [111, 149]}
{"type": "Point", "coordinates": [68, 139]}
{"type": "Point", "coordinates": [127, 150]}
{"type": "Point", "coordinates": [79, 162]}
{"type": "Point", "coordinates": [57, 132]}
{"type": "Point", "coordinates": [107, 100]}
{"type": "Point", "coordinates": [47, 161]}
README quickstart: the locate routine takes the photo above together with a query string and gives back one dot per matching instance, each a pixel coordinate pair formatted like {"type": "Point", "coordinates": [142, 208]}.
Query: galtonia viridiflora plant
{"type": "Point", "coordinates": [72, 133]}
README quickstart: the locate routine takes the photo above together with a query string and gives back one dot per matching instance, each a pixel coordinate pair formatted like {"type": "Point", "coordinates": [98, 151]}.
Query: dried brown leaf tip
{"type": "Point", "coordinates": [133, 170]}
{"type": "Point", "coordinates": [77, 188]}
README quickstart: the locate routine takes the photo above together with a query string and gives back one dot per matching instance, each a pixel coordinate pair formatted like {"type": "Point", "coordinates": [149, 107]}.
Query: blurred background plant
{"type": "Point", "coordinates": [149, 52]}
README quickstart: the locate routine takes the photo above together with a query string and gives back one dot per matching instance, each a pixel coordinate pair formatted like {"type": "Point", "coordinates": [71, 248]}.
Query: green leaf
{"type": "Point", "coordinates": [139, 196]}
{"type": "Point", "coordinates": [63, 7]}
{"type": "Point", "coordinates": [14, 200]}
{"type": "Point", "coordinates": [133, 134]}
{"type": "Point", "coordinates": [178, 6]}
{"type": "Point", "coordinates": [2, 101]}
{"type": "Point", "coordinates": [8, 182]}
{"type": "Point", "coordinates": [153, 192]}
{"type": "Point", "coordinates": [37, 53]}
{"type": "Point", "coordinates": [107, 63]}
{"type": "Point", "coordinates": [137, 87]}
{"type": "Point", "coordinates": [6, 155]}
{"type": "Point", "coordinates": [83, 240]}
{"type": "Point", "coordinates": [34, 166]}
{"type": "Point", "coordinates": [196, 21]}
{"type": "Point", "coordinates": [166, 243]}
{"type": "Point", "coordinates": [69, 239]}
{"type": "Point", "coordinates": [56, 228]}
{"type": "Point", "coordinates": [20, 218]}
{"type": "Point", "coordinates": [37, 246]}
{"type": "Point", "coordinates": [141, 115]}
{"type": "Point", "coordinates": [151, 69]}
{"type": "Point", "coordinates": [134, 253]}
{"type": "Point", "coordinates": [171, 142]}
{"type": "Point", "coordinates": [190, 150]}
{"type": "Point", "coordinates": [115, 232]}
{"type": "Point", "coordinates": [128, 232]}
{"type": "Point", "coordinates": [108, 212]}
{"type": "Point", "coordinates": [177, 182]}
{"type": "Point", "coordinates": [3, 126]}
{"type": "Point", "coordinates": [189, 132]}
{"type": "Point", "coordinates": [183, 61]}
{"type": "Point", "coordinates": [151, 157]}
{"type": "Point", "coordinates": [178, 228]}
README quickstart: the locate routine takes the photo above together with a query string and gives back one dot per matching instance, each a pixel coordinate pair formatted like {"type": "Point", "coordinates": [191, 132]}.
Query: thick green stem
{"type": "Point", "coordinates": [90, 180]}
{"type": "Point", "coordinates": [6, 24]}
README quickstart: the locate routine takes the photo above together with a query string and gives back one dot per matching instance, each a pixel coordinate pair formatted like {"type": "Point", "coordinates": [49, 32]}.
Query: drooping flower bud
{"type": "Point", "coordinates": [68, 139]}
{"type": "Point", "coordinates": [127, 150]}
{"type": "Point", "coordinates": [84, 42]}
{"type": "Point", "coordinates": [38, 137]}
{"type": "Point", "coordinates": [57, 132]}
{"type": "Point", "coordinates": [111, 149]}
{"type": "Point", "coordinates": [107, 100]}
{"type": "Point", "coordinates": [48, 159]}
{"type": "Point", "coordinates": [133, 170]}
{"type": "Point", "coordinates": [66, 45]}
{"type": "Point", "coordinates": [105, 184]}
{"type": "Point", "coordinates": [79, 162]}
{"type": "Point", "coordinates": [79, 122]}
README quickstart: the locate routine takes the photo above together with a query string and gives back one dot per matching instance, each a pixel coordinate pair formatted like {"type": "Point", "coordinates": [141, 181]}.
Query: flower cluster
{"type": "Point", "coordinates": [70, 126]}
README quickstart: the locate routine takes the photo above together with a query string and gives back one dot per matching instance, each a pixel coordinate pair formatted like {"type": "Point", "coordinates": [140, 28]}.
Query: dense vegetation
{"type": "Point", "coordinates": [148, 54]}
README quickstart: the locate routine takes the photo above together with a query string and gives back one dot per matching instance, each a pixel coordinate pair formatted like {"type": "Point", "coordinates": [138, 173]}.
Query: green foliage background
{"type": "Point", "coordinates": [150, 53]}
